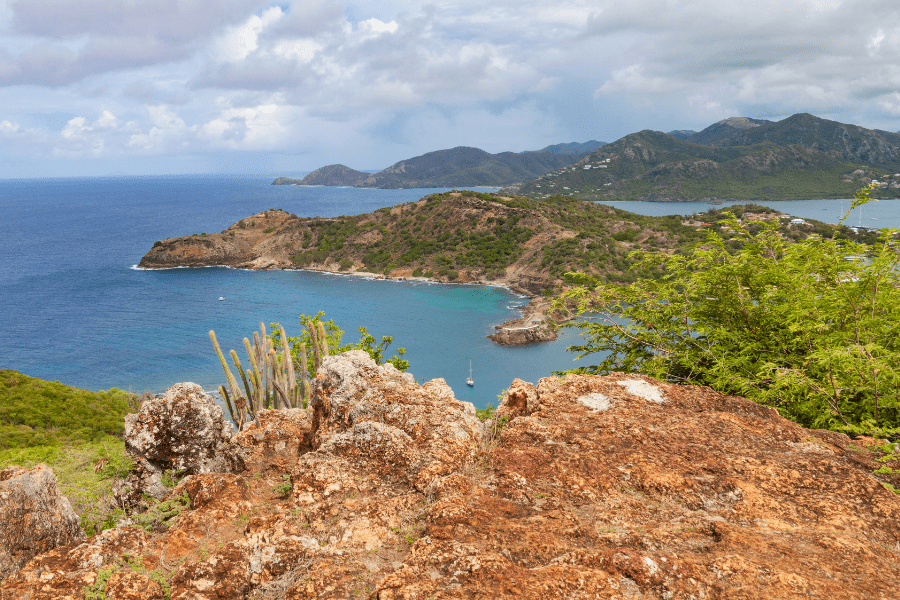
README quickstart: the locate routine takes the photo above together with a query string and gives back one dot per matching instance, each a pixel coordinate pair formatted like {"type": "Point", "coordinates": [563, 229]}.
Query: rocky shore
{"type": "Point", "coordinates": [537, 324]}
{"type": "Point", "coordinates": [583, 487]}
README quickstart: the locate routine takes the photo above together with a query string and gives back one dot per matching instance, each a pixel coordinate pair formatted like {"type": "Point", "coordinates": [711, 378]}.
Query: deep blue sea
{"type": "Point", "coordinates": [73, 308]}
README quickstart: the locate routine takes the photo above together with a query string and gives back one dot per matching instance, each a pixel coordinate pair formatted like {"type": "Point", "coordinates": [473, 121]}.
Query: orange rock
{"type": "Point", "coordinates": [596, 487]}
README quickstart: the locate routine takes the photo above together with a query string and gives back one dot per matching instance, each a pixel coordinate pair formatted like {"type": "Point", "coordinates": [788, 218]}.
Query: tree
{"type": "Point", "coordinates": [811, 328]}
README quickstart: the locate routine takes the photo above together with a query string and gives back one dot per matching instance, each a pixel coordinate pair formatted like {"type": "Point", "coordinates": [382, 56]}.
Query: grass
{"type": "Point", "coordinates": [75, 432]}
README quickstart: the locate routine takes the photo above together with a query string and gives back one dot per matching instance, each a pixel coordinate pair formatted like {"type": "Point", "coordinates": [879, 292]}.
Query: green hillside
{"type": "Point", "coordinates": [75, 432]}
{"type": "Point", "coordinates": [456, 167]}
{"type": "Point", "coordinates": [654, 166]}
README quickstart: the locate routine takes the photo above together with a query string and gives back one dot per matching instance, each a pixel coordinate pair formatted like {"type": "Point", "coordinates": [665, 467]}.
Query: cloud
{"type": "Point", "coordinates": [64, 41]}
{"type": "Point", "coordinates": [370, 79]}
{"type": "Point", "coordinates": [780, 57]}
{"type": "Point", "coordinates": [175, 21]}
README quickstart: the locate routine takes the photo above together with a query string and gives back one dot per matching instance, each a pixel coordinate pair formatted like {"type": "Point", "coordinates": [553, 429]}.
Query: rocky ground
{"type": "Point", "coordinates": [582, 487]}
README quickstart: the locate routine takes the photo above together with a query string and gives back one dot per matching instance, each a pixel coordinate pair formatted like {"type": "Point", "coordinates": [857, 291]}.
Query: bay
{"type": "Point", "coordinates": [73, 308]}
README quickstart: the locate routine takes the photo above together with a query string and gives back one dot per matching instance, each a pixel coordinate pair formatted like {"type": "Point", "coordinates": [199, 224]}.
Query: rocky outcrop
{"type": "Point", "coordinates": [274, 444]}
{"type": "Point", "coordinates": [34, 516]}
{"type": "Point", "coordinates": [590, 487]}
{"type": "Point", "coordinates": [535, 325]}
{"type": "Point", "coordinates": [515, 335]}
{"type": "Point", "coordinates": [183, 433]}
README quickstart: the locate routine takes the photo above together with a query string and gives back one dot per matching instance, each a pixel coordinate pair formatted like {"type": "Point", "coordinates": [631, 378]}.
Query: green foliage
{"type": "Point", "coordinates": [805, 327]}
{"type": "Point", "coordinates": [486, 413]}
{"type": "Point", "coordinates": [97, 591]}
{"type": "Point", "coordinates": [283, 489]}
{"type": "Point", "coordinates": [155, 517]}
{"type": "Point", "coordinates": [85, 473]}
{"type": "Point", "coordinates": [34, 412]}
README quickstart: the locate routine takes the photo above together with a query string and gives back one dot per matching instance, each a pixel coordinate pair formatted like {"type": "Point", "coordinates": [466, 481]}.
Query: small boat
{"type": "Point", "coordinates": [221, 298]}
{"type": "Point", "coordinates": [470, 382]}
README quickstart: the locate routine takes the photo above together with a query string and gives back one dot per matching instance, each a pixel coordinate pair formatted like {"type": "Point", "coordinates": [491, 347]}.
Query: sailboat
{"type": "Point", "coordinates": [470, 382]}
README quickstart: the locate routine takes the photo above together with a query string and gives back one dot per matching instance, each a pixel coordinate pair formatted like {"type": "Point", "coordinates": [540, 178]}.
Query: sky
{"type": "Point", "coordinates": [139, 87]}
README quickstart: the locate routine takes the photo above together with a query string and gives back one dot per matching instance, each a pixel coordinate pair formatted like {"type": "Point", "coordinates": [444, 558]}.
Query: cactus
{"type": "Point", "coordinates": [270, 379]}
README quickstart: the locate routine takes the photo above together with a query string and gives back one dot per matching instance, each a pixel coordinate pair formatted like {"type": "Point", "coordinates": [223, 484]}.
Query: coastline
{"type": "Point", "coordinates": [535, 325]}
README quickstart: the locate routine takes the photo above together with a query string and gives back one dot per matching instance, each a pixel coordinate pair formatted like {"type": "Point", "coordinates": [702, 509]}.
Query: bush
{"type": "Point", "coordinates": [808, 327]}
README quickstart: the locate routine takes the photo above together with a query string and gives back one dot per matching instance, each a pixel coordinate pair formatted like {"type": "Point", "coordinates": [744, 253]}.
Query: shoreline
{"type": "Point", "coordinates": [535, 325]}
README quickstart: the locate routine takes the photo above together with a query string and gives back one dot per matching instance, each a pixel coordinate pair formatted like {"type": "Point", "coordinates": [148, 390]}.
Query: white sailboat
{"type": "Point", "coordinates": [470, 382]}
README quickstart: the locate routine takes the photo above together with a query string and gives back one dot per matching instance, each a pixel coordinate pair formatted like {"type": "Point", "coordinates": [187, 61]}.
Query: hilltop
{"type": "Point", "coordinates": [459, 236]}
{"type": "Point", "coordinates": [737, 159]}
{"type": "Point", "coordinates": [571, 147]}
{"type": "Point", "coordinates": [456, 167]}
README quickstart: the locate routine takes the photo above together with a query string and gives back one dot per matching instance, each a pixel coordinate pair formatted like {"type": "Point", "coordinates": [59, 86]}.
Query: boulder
{"type": "Point", "coordinates": [419, 432]}
{"type": "Point", "coordinates": [596, 487]}
{"type": "Point", "coordinates": [274, 444]}
{"type": "Point", "coordinates": [185, 432]}
{"type": "Point", "coordinates": [34, 516]}
{"type": "Point", "coordinates": [520, 400]}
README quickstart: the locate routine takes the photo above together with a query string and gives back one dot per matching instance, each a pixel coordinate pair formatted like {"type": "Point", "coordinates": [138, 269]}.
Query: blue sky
{"type": "Point", "coordinates": [97, 87]}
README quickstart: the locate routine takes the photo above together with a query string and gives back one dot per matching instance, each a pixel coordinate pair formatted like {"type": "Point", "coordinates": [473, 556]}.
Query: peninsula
{"type": "Point", "coordinates": [462, 237]}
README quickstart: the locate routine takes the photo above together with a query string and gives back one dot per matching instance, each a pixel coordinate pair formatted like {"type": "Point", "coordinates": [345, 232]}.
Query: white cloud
{"type": "Point", "coordinates": [155, 77]}
{"type": "Point", "coordinates": [238, 42]}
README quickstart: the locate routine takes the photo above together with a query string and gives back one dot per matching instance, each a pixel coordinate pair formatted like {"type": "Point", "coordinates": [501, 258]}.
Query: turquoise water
{"type": "Point", "coordinates": [73, 308]}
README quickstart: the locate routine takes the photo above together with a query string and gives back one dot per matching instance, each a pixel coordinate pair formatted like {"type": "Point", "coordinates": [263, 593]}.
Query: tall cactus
{"type": "Point", "coordinates": [270, 379]}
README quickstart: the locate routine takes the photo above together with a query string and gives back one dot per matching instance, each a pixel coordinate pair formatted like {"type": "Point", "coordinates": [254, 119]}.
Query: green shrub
{"type": "Point", "coordinates": [801, 326]}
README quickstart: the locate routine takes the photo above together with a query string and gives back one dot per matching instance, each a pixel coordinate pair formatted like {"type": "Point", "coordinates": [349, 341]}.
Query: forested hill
{"type": "Point", "coordinates": [844, 142]}
{"type": "Point", "coordinates": [456, 167]}
{"type": "Point", "coordinates": [457, 236]}
{"type": "Point", "coordinates": [655, 166]}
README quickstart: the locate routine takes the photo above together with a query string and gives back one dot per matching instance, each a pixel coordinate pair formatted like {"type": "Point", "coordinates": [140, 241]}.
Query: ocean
{"type": "Point", "coordinates": [74, 309]}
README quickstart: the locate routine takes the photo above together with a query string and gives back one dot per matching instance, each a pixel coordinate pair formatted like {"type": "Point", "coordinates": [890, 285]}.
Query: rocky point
{"type": "Point", "coordinates": [580, 487]}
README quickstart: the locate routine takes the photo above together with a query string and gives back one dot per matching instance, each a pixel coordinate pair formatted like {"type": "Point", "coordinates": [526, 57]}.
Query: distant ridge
{"type": "Point", "coordinates": [457, 167]}
{"type": "Point", "coordinates": [571, 147]}
{"type": "Point", "coordinates": [724, 130]}
{"type": "Point", "coordinates": [842, 141]}
{"type": "Point", "coordinates": [681, 134]}
{"type": "Point", "coordinates": [800, 157]}
{"type": "Point", "coordinates": [330, 175]}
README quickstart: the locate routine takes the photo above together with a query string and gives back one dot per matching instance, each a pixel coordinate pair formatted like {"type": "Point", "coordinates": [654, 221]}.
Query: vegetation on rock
{"type": "Point", "coordinates": [465, 236]}
{"type": "Point", "coordinates": [281, 370]}
{"type": "Point", "coordinates": [810, 327]}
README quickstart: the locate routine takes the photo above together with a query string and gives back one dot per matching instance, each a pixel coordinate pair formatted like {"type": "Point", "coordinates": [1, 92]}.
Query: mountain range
{"type": "Point", "coordinates": [800, 157]}
{"type": "Point", "coordinates": [456, 167]}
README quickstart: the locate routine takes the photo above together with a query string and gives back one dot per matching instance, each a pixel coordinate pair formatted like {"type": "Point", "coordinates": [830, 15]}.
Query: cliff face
{"type": "Point", "coordinates": [583, 487]}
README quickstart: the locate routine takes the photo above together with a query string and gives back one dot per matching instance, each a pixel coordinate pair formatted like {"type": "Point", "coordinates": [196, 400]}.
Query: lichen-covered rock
{"type": "Point", "coordinates": [34, 516]}
{"type": "Point", "coordinates": [63, 573]}
{"type": "Point", "coordinates": [184, 432]}
{"type": "Point", "coordinates": [275, 444]}
{"type": "Point", "coordinates": [433, 432]}
{"type": "Point", "coordinates": [521, 399]}
{"type": "Point", "coordinates": [596, 488]}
